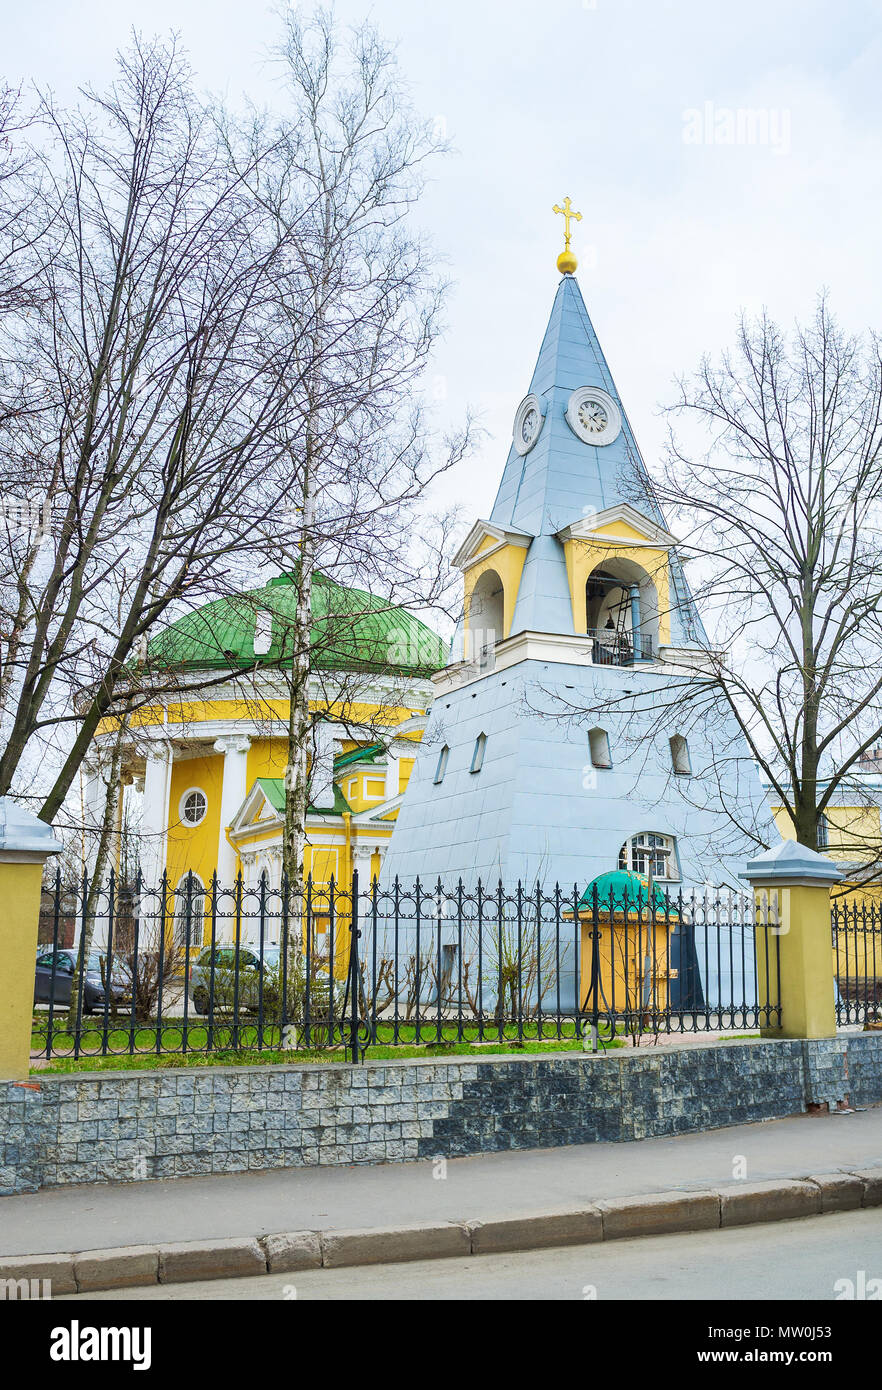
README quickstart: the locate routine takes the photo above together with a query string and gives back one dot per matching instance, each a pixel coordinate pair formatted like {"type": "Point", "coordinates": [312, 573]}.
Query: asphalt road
{"type": "Point", "coordinates": [788, 1260]}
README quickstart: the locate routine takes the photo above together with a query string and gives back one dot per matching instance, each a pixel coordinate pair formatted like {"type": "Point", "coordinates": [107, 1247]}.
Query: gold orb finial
{"type": "Point", "coordinates": [566, 261]}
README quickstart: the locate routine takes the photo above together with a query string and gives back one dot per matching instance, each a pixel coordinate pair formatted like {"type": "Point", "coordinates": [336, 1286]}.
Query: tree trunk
{"type": "Point", "coordinates": [299, 718]}
{"type": "Point", "coordinates": [95, 888]}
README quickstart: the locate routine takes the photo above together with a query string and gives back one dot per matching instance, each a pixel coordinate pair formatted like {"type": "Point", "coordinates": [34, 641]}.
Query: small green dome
{"type": "Point", "coordinates": [351, 631]}
{"type": "Point", "coordinates": [622, 886]}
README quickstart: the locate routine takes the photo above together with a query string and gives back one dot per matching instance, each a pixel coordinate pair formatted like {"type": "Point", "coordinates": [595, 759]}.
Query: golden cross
{"type": "Point", "coordinates": [568, 216]}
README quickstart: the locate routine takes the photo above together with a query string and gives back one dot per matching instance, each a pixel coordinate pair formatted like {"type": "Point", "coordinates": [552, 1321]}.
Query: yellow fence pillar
{"type": "Point", "coordinates": [25, 844]}
{"type": "Point", "coordinates": [792, 885]}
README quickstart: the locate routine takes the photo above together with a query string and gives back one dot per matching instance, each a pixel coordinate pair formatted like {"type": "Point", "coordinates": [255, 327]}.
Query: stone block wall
{"type": "Point", "coordinates": [130, 1126]}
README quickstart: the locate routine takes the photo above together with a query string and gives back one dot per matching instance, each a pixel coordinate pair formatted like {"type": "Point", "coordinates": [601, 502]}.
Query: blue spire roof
{"type": "Point", "coordinates": [562, 478]}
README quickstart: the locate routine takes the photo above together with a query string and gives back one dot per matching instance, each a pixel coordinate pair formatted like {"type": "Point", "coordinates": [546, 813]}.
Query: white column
{"type": "Point", "coordinates": [154, 815]}
{"type": "Point", "coordinates": [321, 776]}
{"type": "Point", "coordinates": [393, 773]}
{"type": "Point", "coordinates": [94, 800]}
{"type": "Point", "coordinates": [233, 791]}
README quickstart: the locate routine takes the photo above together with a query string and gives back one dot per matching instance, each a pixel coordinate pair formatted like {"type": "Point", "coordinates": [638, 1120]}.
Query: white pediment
{"type": "Point", "coordinates": [592, 528]}
{"type": "Point", "coordinates": [480, 532]}
{"type": "Point", "coordinates": [256, 810]}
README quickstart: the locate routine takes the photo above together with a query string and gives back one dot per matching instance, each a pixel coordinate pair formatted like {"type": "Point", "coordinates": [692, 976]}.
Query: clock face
{"type": "Point", "coordinates": [593, 416]}
{"type": "Point", "coordinates": [528, 423]}
{"type": "Point", "coordinates": [530, 426]}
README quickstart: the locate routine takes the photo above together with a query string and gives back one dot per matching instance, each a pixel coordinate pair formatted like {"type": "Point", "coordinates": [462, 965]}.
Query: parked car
{"type": "Point", "coordinates": [228, 990]}
{"type": "Point", "coordinates": [59, 987]}
{"type": "Point", "coordinates": [231, 989]}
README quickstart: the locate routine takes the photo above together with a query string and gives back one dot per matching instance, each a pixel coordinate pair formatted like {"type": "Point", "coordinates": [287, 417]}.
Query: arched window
{"type": "Point", "coordinates": [442, 765]}
{"type": "Point", "coordinates": [478, 754]}
{"type": "Point", "coordinates": [189, 911]}
{"type": "Point", "coordinates": [598, 743]}
{"type": "Point", "coordinates": [649, 853]}
{"type": "Point", "coordinates": [680, 756]}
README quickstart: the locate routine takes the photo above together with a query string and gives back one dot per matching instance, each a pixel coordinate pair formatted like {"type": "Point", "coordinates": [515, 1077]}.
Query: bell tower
{"type": "Point", "coordinates": [551, 751]}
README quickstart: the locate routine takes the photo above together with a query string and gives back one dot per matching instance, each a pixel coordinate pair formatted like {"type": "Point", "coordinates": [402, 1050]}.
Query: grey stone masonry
{"type": "Point", "coordinates": [129, 1126]}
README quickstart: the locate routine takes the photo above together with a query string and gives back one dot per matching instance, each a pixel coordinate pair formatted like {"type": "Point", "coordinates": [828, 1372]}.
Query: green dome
{"type": "Point", "coordinates": [621, 886]}
{"type": "Point", "coordinates": [351, 631]}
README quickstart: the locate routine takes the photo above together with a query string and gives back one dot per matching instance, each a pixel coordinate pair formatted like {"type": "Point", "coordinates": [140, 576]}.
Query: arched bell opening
{"type": "Point", "coordinates": [486, 623]}
{"type": "Point", "coordinates": [622, 612]}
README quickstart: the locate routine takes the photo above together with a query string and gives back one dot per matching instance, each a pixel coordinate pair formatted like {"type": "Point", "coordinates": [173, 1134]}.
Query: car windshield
{"type": "Point", "coordinates": [226, 955]}
{"type": "Point", "coordinates": [96, 958]}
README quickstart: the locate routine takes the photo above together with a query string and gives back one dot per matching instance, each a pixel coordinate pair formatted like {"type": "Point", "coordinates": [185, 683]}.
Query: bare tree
{"type": "Point", "coordinates": [780, 516]}
{"type": "Point", "coordinates": [151, 390]}
{"type": "Point", "coordinates": [347, 168]}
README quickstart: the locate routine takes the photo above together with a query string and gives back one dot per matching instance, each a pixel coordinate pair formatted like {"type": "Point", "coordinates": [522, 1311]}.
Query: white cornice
{"type": "Point", "coordinates": [376, 813]}
{"type": "Point", "coordinates": [564, 649]}
{"type": "Point", "coordinates": [357, 688]}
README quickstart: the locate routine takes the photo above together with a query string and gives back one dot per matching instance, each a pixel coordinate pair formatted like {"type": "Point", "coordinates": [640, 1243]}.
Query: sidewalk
{"type": "Point", "coordinates": [482, 1188]}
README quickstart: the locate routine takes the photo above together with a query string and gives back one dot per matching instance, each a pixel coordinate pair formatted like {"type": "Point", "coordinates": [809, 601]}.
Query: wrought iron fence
{"type": "Point", "coordinates": [857, 956]}
{"type": "Point", "coordinates": [125, 968]}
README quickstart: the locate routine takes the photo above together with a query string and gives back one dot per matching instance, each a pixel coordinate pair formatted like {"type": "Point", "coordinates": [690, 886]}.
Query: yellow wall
{"type": "Point", "coordinates": [246, 711]}
{"type": "Point", "coordinates": [508, 563]}
{"type": "Point", "coordinates": [363, 788]}
{"type": "Point", "coordinates": [194, 847]}
{"type": "Point", "coordinates": [267, 757]}
{"type": "Point", "coordinates": [853, 832]}
{"type": "Point", "coordinates": [622, 955]}
{"type": "Point", "coordinates": [405, 768]}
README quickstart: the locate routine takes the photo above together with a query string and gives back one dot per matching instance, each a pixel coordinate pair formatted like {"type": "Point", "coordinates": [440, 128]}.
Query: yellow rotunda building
{"type": "Point", "coordinates": [203, 767]}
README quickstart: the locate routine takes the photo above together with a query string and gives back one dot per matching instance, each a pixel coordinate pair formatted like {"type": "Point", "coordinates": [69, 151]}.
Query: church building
{"type": "Point", "coordinates": [203, 767]}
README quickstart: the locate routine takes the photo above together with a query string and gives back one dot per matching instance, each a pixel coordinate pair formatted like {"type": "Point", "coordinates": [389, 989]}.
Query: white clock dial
{"type": "Point", "coordinates": [528, 423]}
{"type": "Point", "coordinates": [593, 416]}
{"type": "Point", "coordinates": [530, 427]}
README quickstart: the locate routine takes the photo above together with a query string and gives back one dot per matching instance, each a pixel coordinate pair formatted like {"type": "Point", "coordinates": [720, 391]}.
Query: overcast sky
{"type": "Point", "coordinates": [621, 104]}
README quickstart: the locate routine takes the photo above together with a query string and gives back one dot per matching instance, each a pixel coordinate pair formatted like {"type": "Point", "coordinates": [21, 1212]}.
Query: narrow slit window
{"type": "Point", "coordinates": [478, 755]}
{"type": "Point", "coordinates": [598, 743]}
{"type": "Point", "coordinates": [442, 765]}
{"type": "Point", "coordinates": [680, 756]}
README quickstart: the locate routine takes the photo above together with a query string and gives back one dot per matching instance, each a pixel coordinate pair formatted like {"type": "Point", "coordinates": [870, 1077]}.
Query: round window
{"type": "Point", "coordinates": [193, 806]}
